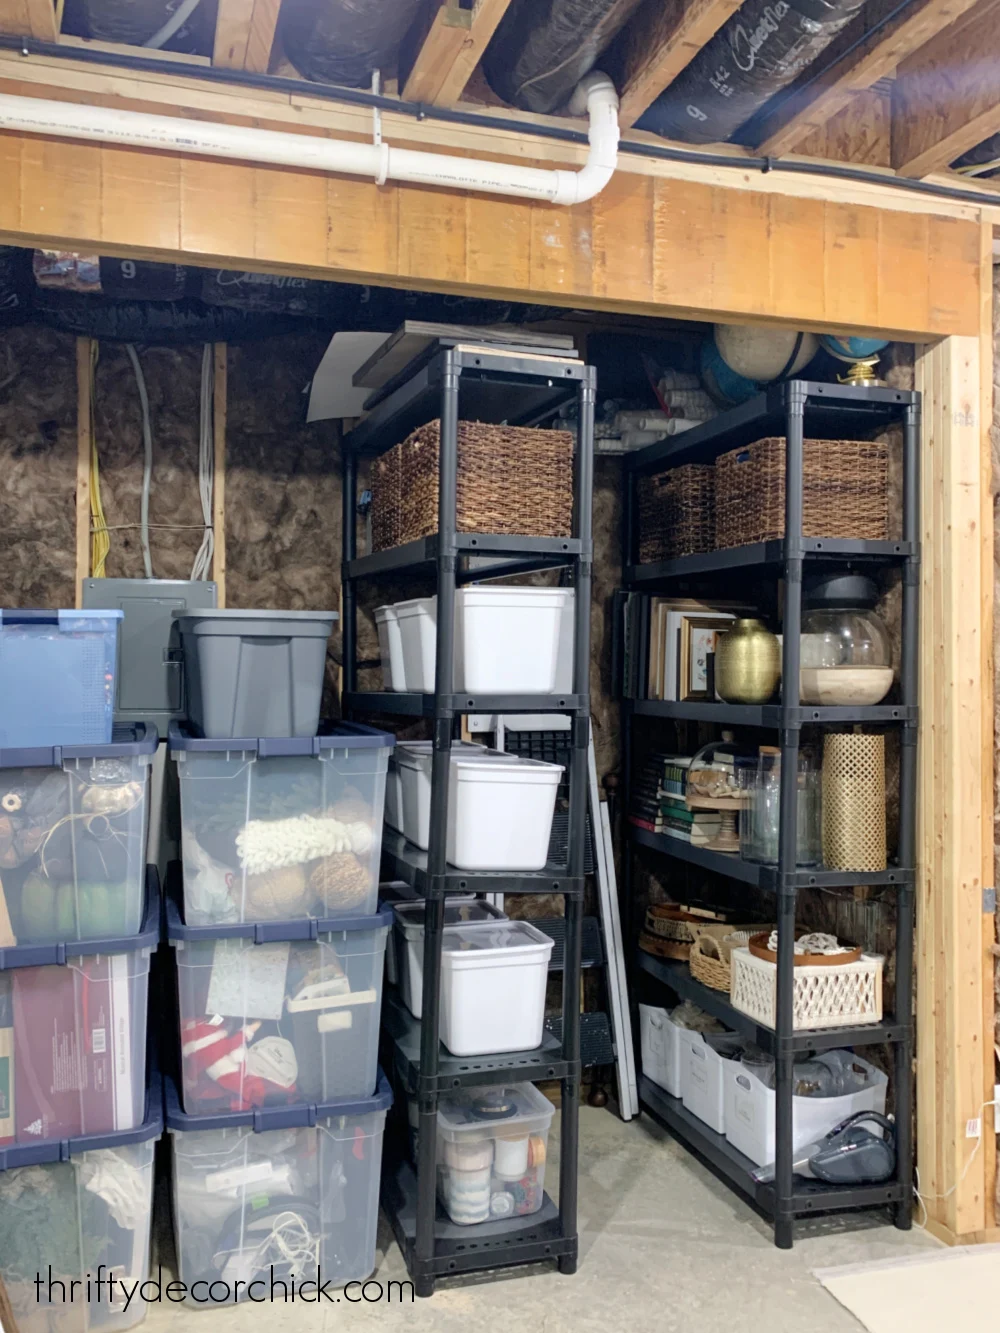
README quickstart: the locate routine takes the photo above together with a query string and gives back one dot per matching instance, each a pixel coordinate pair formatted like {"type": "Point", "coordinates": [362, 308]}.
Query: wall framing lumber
{"type": "Point", "coordinates": [220, 407]}
{"type": "Point", "coordinates": [31, 18]}
{"type": "Point", "coordinates": [430, 49]}
{"type": "Point", "coordinates": [84, 423]}
{"type": "Point", "coordinates": [244, 34]}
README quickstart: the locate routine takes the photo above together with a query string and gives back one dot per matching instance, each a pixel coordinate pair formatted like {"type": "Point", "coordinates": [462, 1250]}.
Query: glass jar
{"type": "Point", "coordinates": [760, 821]}
{"type": "Point", "coordinates": [714, 795]}
{"type": "Point", "coordinates": [846, 652]}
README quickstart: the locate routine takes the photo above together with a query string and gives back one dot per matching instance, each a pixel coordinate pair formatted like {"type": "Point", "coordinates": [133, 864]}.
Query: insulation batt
{"type": "Point", "coordinates": [273, 844]}
{"type": "Point", "coordinates": [755, 54]}
{"type": "Point", "coordinates": [344, 41]}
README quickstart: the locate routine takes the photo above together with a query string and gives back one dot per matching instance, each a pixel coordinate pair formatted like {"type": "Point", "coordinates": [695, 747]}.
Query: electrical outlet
{"type": "Point", "coordinates": [973, 1128]}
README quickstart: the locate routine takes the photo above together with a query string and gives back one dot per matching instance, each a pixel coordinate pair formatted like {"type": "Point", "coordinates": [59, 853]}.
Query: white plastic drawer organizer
{"type": "Point", "coordinates": [280, 1013]}
{"type": "Point", "coordinates": [506, 640]}
{"type": "Point", "coordinates": [284, 1192]}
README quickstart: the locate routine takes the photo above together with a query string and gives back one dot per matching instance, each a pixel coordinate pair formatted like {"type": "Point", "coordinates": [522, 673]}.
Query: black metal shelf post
{"type": "Point", "coordinates": [840, 411]}
{"type": "Point", "coordinates": [432, 1246]}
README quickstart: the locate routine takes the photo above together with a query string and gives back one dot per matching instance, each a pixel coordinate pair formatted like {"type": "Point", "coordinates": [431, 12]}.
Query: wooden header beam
{"type": "Point", "coordinates": [244, 34]}
{"type": "Point", "coordinates": [40, 19]}
{"type": "Point", "coordinates": [946, 97]}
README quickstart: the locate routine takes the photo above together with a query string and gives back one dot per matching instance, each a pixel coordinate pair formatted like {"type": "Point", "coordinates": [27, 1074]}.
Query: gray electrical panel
{"type": "Point", "coordinates": [150, 671]}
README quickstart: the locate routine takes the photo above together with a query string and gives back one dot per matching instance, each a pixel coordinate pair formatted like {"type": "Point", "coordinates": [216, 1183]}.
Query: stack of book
{"type": "Point", "coordinates": [659, 805]}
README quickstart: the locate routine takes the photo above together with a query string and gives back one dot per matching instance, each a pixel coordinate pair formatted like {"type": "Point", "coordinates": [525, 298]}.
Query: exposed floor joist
{"type": "Point", "coordinates": [867, 50]}
{"type": "Point", "coordinates": [31, 18]}
{"type": "Point", "coordinates": [946, 97]}
{"type": "Point", "coordinates": [439, 55]}
{"type": "Point", "coordinates": [244, 34]}
{"type": "Point", "coordinates": [662, 38]}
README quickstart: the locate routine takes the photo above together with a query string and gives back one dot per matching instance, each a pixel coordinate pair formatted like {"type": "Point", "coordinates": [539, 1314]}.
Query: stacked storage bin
{"type": "Point", "coordinates": [79, 919]}
{"type": "Point", "coordinates": [277, 1118]}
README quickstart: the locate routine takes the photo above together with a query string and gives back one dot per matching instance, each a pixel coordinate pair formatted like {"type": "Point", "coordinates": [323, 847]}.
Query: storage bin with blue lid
{"type": "Point", "coordinates": [73, 1033]}
{"type": "Point", "coordinates": [72, 1208]}
{"type": "Point", "coordinates": [292, 1187]}
{"type": "Point", "coordinates": [279, 1012]}
{"type": "Point", "coordinates": [275, 829]}
{"type": "Point", "coordinates": [57, 677]}
{"type": "Point", "coordinates": [73, 823]}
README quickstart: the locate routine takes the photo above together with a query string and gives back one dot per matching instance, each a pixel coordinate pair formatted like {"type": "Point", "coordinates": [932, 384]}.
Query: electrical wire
{"type": "Point", "coordinates": [979, 168]}
{"type": "Point", "coordinates": [922, 1198]}
{"type": "Point", "coordinates": [176, 21]}
{"type": "Point", "coordinates": [202, 566]}
{"type": "Point", "coordinates": [100, 539]}
{"type": "Point", "coordinates": [147, 460]}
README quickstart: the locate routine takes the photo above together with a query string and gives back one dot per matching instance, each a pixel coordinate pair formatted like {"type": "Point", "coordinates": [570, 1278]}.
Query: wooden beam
{"type": "Point", "coordinates": [244, 34]}
{"type": "Point", "coordinates": [219, 418]}
{"type": "Point", "coordinates": [869, 49]}
{"type": "Point", "coordinates": [661, 39]}
{"type": "Point", "coordinates": [484, 19]}
{"type": "Point", "coordinates": [31, 18]}
{"type": "Point", "coordinates": [84, 389]}
{"type": "Point", "coordinates": [946, 97]}
{"type": "Point", "coordinates": [859, 133]}
{"type": "Point", "coordinates": [431, 47]}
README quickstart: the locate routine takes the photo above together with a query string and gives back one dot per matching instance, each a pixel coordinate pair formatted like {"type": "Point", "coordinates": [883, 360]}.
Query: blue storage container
{"type": "Point", "coordinates": [57, 677]}
{"type": "Point", "coordinates": [276, 1192]}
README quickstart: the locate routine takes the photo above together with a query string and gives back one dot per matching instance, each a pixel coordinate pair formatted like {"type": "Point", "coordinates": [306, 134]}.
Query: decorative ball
{"type": "Point", "coordinates": [341, 881]}
{"type": "Point", "coordinates": [852, 348]}
{"type": "Point", "coordinates": [275, 894]}
{"type": "Point", "coordinates": [763, 354]}
{"type": "Point", "coordinates": [721, 381]}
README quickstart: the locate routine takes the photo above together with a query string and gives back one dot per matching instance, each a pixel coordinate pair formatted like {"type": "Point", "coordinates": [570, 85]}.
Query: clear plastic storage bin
{"type": "Point", "coordinates": [277, 1192]}
{"type": "Point", "coordinates": [73, 822]}
{"type": "Point", "coordinates": [273, 1015]}
{"type": "Point", "coordinates": [57, 677]}
{"type": "Point", "coordinates": [279, 829]}
{"type": "Point", "coordinates": [73, 1034]}
{"type": "Point", "coordinates": [69, 1210]}
{"type": "Point", "coordinates": [492, 1145]}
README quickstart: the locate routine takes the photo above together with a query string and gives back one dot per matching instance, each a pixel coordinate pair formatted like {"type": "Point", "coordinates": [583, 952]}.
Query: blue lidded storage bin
{"type": "Point", "coordinates": [295, 1187]}
{"type": "Point", "coordinates": [69, 1206]}
{"type": "Point", "coordinates": [281, 828]}
{"type": "Point", "coordinates": [57, 677]}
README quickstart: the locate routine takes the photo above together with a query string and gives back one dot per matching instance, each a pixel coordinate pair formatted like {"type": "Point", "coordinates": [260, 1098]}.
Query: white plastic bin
{"type": "Point", "coordinates": [275, 829]}
{"type": "Point", "coordinates": [407, 943]}
{"type": "Point", "coordinates": [73, 1034]}
{"type": "Point", "coordinates": [750, 1109]}
{"type": "Point", "coordinates": [704, 1060]}
{"type": "Point", "coordinates": [71, 1211]}
{"type": "Point", "coordinates": [269, 1021]}
{"type": "Point", "coordinates": [493, 987]}
{"type": "Point", "coordinates": [73, 823]}
{"type": "Point", "coordinates": [492, 1146]}
{"type": "Point", "coordinates": [390, 646]}
{"type": "Point", "coordinates": [661, 1048]}
{"type": "Point", "coordinates": [413, 761]}
{"type": "Point", "coordinates": [254, 1202]}
{"type": "Point", "coordinates": [506, 639]}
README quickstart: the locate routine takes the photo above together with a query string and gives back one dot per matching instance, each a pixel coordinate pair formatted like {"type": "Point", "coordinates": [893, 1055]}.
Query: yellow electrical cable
{"type": "Point", "coordinates": [100, 540]}
{"type": "Point", "coordinates": [977, 168]}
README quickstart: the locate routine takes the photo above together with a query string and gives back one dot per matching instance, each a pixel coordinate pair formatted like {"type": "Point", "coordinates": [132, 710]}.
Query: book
{"type": "Point", "coordinates": [6, 1060]}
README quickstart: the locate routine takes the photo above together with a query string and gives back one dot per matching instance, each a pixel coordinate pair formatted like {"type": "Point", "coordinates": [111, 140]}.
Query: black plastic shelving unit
{"type": "Point", "coordinates": [474, 383]}
{"type": "Point", "coordinates": [795, 409]}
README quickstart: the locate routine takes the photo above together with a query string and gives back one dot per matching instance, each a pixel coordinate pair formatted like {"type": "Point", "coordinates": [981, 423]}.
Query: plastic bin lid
{"type": "Point", "coordinates": [268, 932]}
{"type": "Point", "coordinates": [410, 915]}
{"type": "Point", "coordinates": [331, 736]}
{"type": "Point", "coordinates": [500, 1107]}
{"type": "Point", "coordinates": [65, 619]}
{"type": "Point", "coordinates": [231, 613]}
{"type": "Point", "coordinates": [64, 1150]}
{"type": "Point", "coordinates": [127, 742]}
{"type": "Point", "coordinates": [516, 770]}
{"type": "Point", "coordinates": [301, 1115]}
{"type": "Point", "coordinates": [494, 937]}
{"type": "Point", "coordinates": [43, 955]}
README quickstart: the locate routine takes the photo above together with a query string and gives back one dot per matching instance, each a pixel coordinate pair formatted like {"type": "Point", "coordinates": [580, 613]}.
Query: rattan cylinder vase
{"type": "Point", "coordinates": [854, 836]}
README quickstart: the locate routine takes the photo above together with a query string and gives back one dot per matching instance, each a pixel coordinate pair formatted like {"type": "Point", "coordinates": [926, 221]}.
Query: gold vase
{"type": "Point", "coordinates": [747, 663]}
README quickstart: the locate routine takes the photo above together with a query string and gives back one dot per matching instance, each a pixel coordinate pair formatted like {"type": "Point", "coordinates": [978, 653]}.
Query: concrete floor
{"type": "Point", "coordinates": [664, 1246]}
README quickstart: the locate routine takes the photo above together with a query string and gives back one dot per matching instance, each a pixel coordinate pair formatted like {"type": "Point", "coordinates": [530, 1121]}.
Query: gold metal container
{"type": "Point", "coordinates": [747, 663]}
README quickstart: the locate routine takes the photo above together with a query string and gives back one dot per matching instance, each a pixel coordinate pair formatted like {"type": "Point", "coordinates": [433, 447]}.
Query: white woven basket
{"type": "Point", "coordinates": [839, 995]}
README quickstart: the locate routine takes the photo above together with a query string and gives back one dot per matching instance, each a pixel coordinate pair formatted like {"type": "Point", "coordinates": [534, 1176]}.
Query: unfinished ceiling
{"type": "Point", "coordinates": [907, 85]}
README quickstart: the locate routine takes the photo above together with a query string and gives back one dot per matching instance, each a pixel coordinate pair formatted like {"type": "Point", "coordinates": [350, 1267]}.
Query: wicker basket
{"type": "Point", "coordinates": [512, 480]}
{"type": "Point", "coordinates": [844, 491]}
{"type": "Point", "coordinates": [709, 958]}
{"type": "Point", "coordinates": [825, 997]}
{"type": "Point", "coordinates": [677, 513]}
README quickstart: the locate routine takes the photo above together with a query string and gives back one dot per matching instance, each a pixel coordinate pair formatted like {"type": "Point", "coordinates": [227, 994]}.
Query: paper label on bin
{"type": "Point", "coordinates": [234, 1177]}
{"type": "Point", "coordinates": [273, 1058]}
{"type": "Point", "coordinates": [248, 983]}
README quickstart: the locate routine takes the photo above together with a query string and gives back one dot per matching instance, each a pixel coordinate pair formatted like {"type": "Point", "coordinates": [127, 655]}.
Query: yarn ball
{"type": "Point", "coordinates": [342, 881]}
{"type": "Point", "coordinates": [277, 893]}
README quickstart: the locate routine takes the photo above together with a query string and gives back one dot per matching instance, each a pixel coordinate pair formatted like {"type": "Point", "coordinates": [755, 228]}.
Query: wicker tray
{"type": "Point", "coordinates": [512, 480]}
{"type": "Point", "coordinates": [844, 491]}
{"type": "Point", "coordinates": [709, 959]}
{"type": "Point", "coordinates": [661, 948]}
{"type": "Point", "coordinates": [677, 513]}
{"type": "Point", "coordinates": [672, 923]}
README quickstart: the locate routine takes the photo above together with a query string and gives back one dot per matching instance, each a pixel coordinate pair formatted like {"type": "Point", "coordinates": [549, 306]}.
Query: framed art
{"type": "Point", "coordinates": [698, 635]}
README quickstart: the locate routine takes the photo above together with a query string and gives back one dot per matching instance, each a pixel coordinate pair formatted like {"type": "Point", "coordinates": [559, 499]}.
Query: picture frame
{"type": "Point", "coordinates": [698, 635]}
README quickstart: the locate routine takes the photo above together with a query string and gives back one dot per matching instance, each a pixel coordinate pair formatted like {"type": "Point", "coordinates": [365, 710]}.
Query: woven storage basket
{"type": "Point", "coordinates": [512, 481]}
{"type": "Point", "coordinates": [709, 958]}
{"type": "Point", "coordinates": [844, 491]}
{"type": "Point", "coordinates": [825, 997]}
{"type": "Point", "coordinates": [677, 513]}
{"type": "Point", "coordinates": [387, 518]}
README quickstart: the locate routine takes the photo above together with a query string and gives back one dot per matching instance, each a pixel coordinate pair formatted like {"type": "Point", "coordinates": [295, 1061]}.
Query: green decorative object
{"type": "Point", "coordinates": [747, 663]}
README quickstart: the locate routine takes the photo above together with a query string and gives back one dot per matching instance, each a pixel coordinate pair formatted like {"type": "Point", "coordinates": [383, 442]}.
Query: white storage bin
{"type": "Point", "coordinates": [704, 1061]}
{"type": "Point", "coordinates": [750, 1110]}
{"type": "Point", "coordinates": [493, 987]}
{"type": "Point", "coordinates": [500, 814]}
{"type": "Point", "coordinates": [394, 794]}
{"type": "Point", "coordinates": [416, 621]}
{"type": "Point", "coordinates": [492, 1146]}
{"type": "Point", "coordinates": [414, 761]}
{"type": "Point", "coordinates": [661, 1048]}
{"type": "Point", "coordinates": [390, 647]}
{"type": "Point", "coordinates": [407, 942]}
{"type": "Point", "coordinates": [252, 1202]}
{"type": "Point", "coordinates": [281, 1020]}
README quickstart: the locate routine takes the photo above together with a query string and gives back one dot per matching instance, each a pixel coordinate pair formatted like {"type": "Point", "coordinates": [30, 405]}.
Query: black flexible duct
{"type": "Point", "coordinates": [355, 97]}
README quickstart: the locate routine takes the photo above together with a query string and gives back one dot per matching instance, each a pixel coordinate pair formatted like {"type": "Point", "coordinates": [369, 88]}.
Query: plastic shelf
{"type": "Point", "coordinates": [450, 705]}
{"type": "Point", "coordinates": [772, 716]}
{"type": "Point", "coordinates": [515, 555]}
{"type": "Point", "coordinates": [764, 555]}
{"type": "Point", "coordinates": [403, 861]}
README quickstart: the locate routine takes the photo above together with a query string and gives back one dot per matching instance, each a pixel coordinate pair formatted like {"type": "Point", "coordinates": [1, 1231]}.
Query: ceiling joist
{"type": "Point", "coordinates": [244, 34]}
{"type": "Point", "coordinates": [662, 38]}
{"type": "Point", "coordinates": [440, 53]}
{"type": "Point", "coordinates": [946, 97]}
{"type": "Point", "coordinates": [40, 19]}
{"type": "Point", "coordinates": [867, 50]}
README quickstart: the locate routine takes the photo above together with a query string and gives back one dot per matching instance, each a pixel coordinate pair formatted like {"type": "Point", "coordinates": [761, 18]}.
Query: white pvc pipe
{"type": "Point", "coordinates": [596, 94]}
